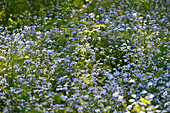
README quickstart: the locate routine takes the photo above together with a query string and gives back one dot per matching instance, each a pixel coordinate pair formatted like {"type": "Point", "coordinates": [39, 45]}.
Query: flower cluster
{"type": "Point", "coordinates": [113, 60]}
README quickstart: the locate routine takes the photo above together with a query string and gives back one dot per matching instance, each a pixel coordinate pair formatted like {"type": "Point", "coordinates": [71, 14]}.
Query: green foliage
{"type": "Point", "coordinates": [58, 99]}
{"type": "Point", "coordinates": [78, 3]}
{"type": "Point", "coordinates": [34, 111]}
{"type": "Point", "coordinates": [146, 104]}
{"type": "Point", "coordinates": [19, 11]}
{"type": "Point", "coordinates": [67, 24]}
{"type": "Point", "coordinates": [24, 94]}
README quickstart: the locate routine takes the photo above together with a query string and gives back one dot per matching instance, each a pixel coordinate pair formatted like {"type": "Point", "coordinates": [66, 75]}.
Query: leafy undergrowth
{"type": "Point", "coordinates": [113, 60]}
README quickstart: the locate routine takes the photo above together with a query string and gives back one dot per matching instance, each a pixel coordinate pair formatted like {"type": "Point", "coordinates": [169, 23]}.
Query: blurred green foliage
{"type": "Point", "coordinates": [19, 10]}
{"type": "Point", "coordinates": [32, 12]}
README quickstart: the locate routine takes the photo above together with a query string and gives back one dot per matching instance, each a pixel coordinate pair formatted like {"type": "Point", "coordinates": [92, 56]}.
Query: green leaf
{"type": "Point", "coordinates": [163, 48]}
{"type": "Point", "coordinates": [94, 103]}
{"type": "Point", "coordinates": [58, 99]}
{"type": "Point", "coordinates": [99, 25]}
{"type": "Point", "coordinates": [145, 100]}
{"type": "Point", "coordinates": [83, 22]}
{"type": "Point", "coordinates": [41, 21]}
{"type": "Point", "coordinates": [136, 108]}
{"type": "Point", "coordinates": [41, 12]}
{"type": "Point", "coordinates": [75, 20]}
{"type": "Point", "coordinates": [34, 111]}
{"type": "Point", "coordinates": [25, 97]}
{"type": "Point", "coordinates": [81, 101]}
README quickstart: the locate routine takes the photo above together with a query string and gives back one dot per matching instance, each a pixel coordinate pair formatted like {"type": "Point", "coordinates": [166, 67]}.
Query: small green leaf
{"type": "Point", "coordinates": [145, 101]}
{"type": "Point", "coordinates": [81, 101]}
{"type": "Point", "coordinates": [58, 99]}
{"type": "Point", "coordinates": [34, 111]}
{"type": "Point", "coordinates": [25, 97]}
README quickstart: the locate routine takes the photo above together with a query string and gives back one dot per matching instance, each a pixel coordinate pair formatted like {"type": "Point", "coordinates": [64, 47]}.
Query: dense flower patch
{"type": "Point", "coordinates": [102, 61]}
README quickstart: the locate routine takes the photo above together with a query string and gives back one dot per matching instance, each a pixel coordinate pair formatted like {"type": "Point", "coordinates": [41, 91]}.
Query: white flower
{"type": "Point", "coordinates": [132, 100]}
{"type": "Point", "coordinates": [150, 84]}
{"type": "Point", "coordinates": [92, 15]}
{"type": "Point", "coordinates": [97, 110]}
{"type": "Point", "coordinates": [49, 51]}
{"type": "Point", "coordinates": [107, 21]}
{"type": "Point", "coordinates": [2, 57]}
{"type": "Point", "coordinates": [151, 95]}
{"type": "Point", "coordinates": [141, 112]}
{"type": "Point", "coordinates": [132, 81]}
{"type": "Point", "coordinates": [134, 14]}
{"type": "Point", "coordinates": [115, 94]}
{"type": "Point", "coordinates": [157, 111]}
{"type": "Point", "coordinates": [120, 97]}
{"type": "Point", "coordinates": [148, 15]}
{"type": "Point", "coordinates": [167, 104]}
{"type": "Point", "coordinates": [129, 107]}
{"type": "Point", "coordinates": [99, 38]}
{"type": "Point", "coordinates": [143, 92]}
{"type": "Point", "coordinates": [133, 95]}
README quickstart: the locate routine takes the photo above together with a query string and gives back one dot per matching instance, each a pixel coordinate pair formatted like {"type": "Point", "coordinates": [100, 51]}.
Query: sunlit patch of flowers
{"type": "Point", "coordinates": [116, 61]}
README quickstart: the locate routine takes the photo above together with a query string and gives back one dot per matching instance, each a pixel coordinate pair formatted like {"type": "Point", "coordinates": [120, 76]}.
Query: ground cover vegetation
{"type": "Point", "coordinates": [84, 56]}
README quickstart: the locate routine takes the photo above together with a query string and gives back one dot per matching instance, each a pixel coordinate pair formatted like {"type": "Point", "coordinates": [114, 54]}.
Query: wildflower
{"type": "Point", "coordinates": [115, 94]}
{"type": "Point", "coordinates": [107, 21]}
{"type": "Point", "coordinates": [121, 29]}
{"type": "Point", "coordinates": [49, 51]}
{"type": "Point", "coordinates": [63, 97]}
{"type": "Point", "coordinates": [133, 95]}
{"type": "Point", "coordinates": [120, 98]}
{"type": "Point", "coordinates": [2, 57]}
{"type": "Point", "coordinates": [143, 92]}
{"type": "Point", "coordinates": [86, 97]}
{"type": "Point", "coordinates": [129, 107]}
{"type": "Point", "coordinates": [132, 100]}
{"type": "Point", "coordinates": [132, 81]}
{"type": "Point", "coordinates": [92, 15]}
{"type": "Point", "coordinates": [97, 110]}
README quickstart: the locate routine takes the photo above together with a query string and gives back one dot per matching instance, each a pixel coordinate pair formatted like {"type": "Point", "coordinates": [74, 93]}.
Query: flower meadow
{"type": "Point", "coordinates": [105, 56]}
